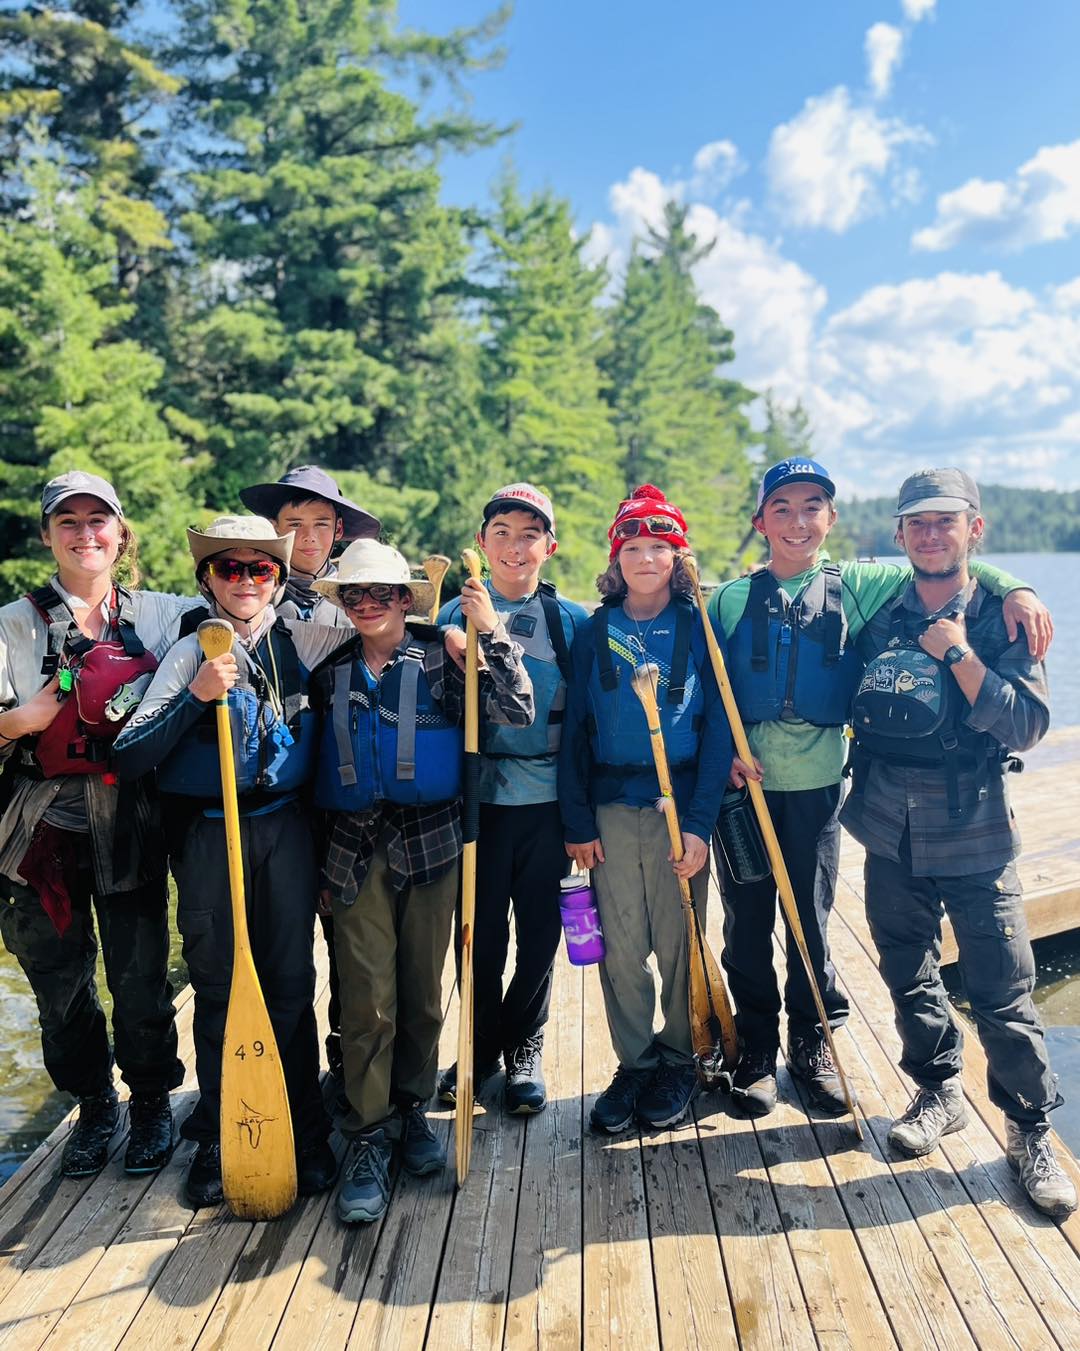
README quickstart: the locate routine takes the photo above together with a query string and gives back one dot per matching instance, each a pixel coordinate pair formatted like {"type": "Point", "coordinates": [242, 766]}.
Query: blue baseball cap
{"type": "Point", "coordinates": [792, 471]}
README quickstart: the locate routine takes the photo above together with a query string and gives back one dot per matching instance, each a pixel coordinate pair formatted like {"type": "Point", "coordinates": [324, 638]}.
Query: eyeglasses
{"type": "Point", "coordinates": [380, 593]}
{"type": "Point", "coordinates": [647, 525]}
{"type": "Point", "coordinates": [233, 569]}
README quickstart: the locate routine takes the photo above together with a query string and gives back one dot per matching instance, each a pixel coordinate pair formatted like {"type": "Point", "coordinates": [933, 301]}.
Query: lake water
{"type": "Point", "coordinates": [29, 1108]}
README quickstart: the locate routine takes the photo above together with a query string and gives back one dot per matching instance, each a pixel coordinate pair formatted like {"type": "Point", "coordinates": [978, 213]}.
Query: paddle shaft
{"type": "Point", "coordinates": [702, 988]}
{"type": "Point", "coordinates": [768, 833]}
{"type": "Point", "coordinates": [463, 1114]}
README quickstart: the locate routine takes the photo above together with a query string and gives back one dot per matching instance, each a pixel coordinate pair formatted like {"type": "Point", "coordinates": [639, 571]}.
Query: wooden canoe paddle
{"type": "Point", "coordinates": [258, 1157]}
{"type": "Point", "coordinates": [784, 888]}
{"type": "Point", "coordinates": [435, 569]}
{"type": "Point", "coordinates": [470, 828]}
{"type": "Point", "coordinates": [712, 1023]}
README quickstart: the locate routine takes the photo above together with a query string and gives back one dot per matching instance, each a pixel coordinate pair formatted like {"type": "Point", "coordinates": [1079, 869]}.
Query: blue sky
{"type": "Point", "coordinates": [893, 189]}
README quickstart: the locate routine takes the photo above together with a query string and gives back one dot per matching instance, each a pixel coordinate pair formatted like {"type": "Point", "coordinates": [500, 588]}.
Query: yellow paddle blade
{"type": "Point", "coordinates": [215, 637]}
{"type": "Point", "coordinates": [258, 1155]}
{"type": "Point", "coordinates": [435, 569]}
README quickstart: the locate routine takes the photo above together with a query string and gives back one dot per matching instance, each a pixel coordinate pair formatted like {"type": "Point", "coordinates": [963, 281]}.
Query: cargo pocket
{"type": "Point", "coordinates": [996, 957]}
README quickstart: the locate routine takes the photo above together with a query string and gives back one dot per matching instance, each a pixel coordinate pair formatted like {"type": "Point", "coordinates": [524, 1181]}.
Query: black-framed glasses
{"type": "Point", "coordinates": [380, 592]}
{"type": "Point", "coordinates": [648, 525]}
{"type": "Point", "coordinates": [233, 569]}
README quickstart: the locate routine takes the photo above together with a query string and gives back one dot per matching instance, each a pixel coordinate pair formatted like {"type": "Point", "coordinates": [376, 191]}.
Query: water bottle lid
{"type": "Point", "coordinates": [575, 882]}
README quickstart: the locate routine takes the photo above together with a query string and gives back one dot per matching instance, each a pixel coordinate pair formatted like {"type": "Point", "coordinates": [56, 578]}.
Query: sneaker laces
{"type": "Point", "coordinates": [627, 1083]}
{"type": "Point", "coordinates": [819, 1058]}
{"type": "Point", "coordinates": [369, 1163]}
{"type": "Point", "coordinates": [1044, 1162]}
{"type": "Point", "coordinates": [670, 1075]}
{"type": "Point", "coordinates": [415, 1123]}
{"type": "Point", "coordinates": [926, 1102]}
{"type": "Point", "coordinates": [522, 1059]}
{"type": "Point", "coordinates": [758, 1063]}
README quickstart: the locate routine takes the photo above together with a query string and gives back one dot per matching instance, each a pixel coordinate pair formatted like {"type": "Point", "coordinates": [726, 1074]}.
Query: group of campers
{"type": "Point", "coordinates": [346, 705]}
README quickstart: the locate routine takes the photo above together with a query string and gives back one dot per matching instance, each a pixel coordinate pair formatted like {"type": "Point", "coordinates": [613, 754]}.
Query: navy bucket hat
{"type": "Point", "coordinates": [308, 480]}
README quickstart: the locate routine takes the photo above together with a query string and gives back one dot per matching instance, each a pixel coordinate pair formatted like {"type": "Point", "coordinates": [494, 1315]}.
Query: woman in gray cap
{"type": "Point", "coordinates": [74, 656]}
{"type": "Point", "coordinates": [241, 566]}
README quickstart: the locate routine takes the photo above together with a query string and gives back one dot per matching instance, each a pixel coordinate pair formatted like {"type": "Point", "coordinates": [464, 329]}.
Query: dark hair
{"type": "Point", "coordinates": [505, 510]}
{"type": "Point", "coordinates": [302, 500]}
{"type": "Point", "coordinates": [612, 583]}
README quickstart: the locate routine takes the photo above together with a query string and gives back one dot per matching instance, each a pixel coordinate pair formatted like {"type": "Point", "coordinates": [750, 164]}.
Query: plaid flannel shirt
{"type": "Point", "coordinates": [423, 842]}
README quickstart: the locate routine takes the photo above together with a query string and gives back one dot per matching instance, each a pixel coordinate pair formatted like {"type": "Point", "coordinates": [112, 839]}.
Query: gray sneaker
{"type": "Point", "coordinates": [932, 1113]}
{"type": "Point", "coordinates": [364, 1192]}
{"type": "Point", "coordinates": [1041, 1176]}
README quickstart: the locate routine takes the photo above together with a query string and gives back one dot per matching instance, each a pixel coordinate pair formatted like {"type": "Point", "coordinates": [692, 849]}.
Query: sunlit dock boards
{"type": "Point", "coordinates": [780, 1233]}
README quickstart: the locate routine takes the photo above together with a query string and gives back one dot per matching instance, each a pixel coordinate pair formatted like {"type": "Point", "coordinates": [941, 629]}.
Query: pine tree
{"type": "Point", "coordinates": [74, 394]}
{"type": "Point", "coordinates": [543, 394]}
{"type": "Point", "coordinates": [324, 307]}
{"type": "Point", "coordinates": [679, 422]}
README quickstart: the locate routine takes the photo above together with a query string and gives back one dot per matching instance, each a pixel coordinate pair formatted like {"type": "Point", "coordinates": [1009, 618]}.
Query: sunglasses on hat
{"type": "Point", "coordinates": [381, 593]}
{"type": "Point", "coordinates": [233, 569]}
{"type": "Point", "coordinates": [647, 525]}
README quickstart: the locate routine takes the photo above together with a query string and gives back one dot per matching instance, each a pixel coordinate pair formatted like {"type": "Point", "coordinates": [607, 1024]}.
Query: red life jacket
{"type": "Point", "coordinates": [104, 682]}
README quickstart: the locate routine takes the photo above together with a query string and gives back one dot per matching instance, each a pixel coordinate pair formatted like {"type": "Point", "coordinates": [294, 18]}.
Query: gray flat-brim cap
{"type": "Point", "coordinates": [937, 490]}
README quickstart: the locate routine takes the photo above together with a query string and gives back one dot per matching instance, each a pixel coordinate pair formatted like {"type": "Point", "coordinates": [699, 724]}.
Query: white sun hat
{"type": "Point", "coordinates": [240, 532]}
{"type": "Point", "coordinates": [366, 562]}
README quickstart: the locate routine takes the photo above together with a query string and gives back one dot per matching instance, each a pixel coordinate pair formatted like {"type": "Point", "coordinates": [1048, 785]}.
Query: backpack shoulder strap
{"type": "Point", "coordinates": [46, 601]}
{"type": "Point", "coordinates": [680, 655]}
{"type": "Point", "coordinates": [191, 619]}
{"type": "Point", "coordinates": [293, 694]}
{"type": "Point", "coordinates": [125, 623]}
{"type": "Point", "coordinates": [604, 665]}
{"type": "Point", "coordinates": [553, 617]}
{"type": "Point", "coordinates": [833, 612]}
{"type": "Point", "coordinates": [762, 604]}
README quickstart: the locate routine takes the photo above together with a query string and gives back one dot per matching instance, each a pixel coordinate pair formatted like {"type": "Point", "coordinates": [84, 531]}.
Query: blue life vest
{"type": "Point", "coordinates": [540, 628]}
{"type": "Point", "coordinates": [273, 754]}
{"type": "Point", "coordinates": [789, 658]}
{"type": "Point", "coordinates": [385, 740]}
{"type": "Point", "coordinates": [908, 710]}
{"type": "Point", "coordinates": [618, 731]}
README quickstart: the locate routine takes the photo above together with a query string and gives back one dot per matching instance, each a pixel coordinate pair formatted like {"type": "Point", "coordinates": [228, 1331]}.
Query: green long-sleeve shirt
{"type": "Point", "coordinates": [797, 755]}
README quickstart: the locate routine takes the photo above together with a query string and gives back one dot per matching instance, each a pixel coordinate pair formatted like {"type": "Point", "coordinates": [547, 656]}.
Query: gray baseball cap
{"type": "Point", "coordinates": [74, 484]}
{"type": "Point", "coordinates": [937, 490]}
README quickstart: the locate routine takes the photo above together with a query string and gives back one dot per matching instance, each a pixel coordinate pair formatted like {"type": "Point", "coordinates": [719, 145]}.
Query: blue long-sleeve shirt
{"type": "Point", "coordinates": [585, 783]}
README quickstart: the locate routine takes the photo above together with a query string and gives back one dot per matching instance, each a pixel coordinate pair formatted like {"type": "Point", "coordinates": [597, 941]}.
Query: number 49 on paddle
{"type": "Point", "coordinates": [258, 1159]}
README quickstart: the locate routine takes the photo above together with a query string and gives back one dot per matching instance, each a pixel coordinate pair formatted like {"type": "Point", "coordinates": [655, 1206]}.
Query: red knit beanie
{"type": "Point", "coordinates": [658, 517]}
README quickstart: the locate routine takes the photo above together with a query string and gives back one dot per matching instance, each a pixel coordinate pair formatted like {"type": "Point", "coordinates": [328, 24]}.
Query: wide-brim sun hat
{"type": "Point", "coordinates": [240, 532]}
{"type": "Point", "coordinates": [308, 480]}
{"type": "Point", "coordinates": [366, 562]}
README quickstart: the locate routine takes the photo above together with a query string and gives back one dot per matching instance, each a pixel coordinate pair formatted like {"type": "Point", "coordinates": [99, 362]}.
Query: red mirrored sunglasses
{"type": "Point", "coordinates": [233, 569]}
{"type": "Point", "coordinates": [647, 525]}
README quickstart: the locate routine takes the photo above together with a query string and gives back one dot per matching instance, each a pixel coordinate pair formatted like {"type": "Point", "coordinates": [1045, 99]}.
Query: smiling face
{"type": "Point", "coordinates": [795, 521]}
{"type": "Point", "coordinates": [938, 542]}
{"type": "Point", "coordinates": [381, 621]}
{"type": "Point", "coordinates": [246, 598]}
{"type": "Point", "coordinates": [84, 537]}
{"type": "Point", "coordinates": [647, 565]}
{"type": "Point", "coordinates": [516, 545]}
{"type": "Point", "coordinates": [317, 527]}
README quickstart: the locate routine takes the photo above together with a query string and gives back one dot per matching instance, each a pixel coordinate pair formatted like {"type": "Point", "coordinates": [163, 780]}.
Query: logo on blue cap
{"type": "Point", "coordinates": [793, 471]}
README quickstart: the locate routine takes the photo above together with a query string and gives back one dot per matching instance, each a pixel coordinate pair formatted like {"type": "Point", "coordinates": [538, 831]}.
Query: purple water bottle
{"type": "Point", "coordinates": [580, 921]}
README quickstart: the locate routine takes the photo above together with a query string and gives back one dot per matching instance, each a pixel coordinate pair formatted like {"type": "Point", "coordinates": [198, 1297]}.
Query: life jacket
{"type": "Point", "coordinates": [539, 627]}
{"type": "Point", "coordinates": [273, 754]}
{"type": "Point", "coordinates": [385, 740]}
{"type": "Point", "coordinates": [101, 683]}
{"type": "Point", "coordinates": [908, 710]}
{"type": "Point", "coordinates": [617, 728]}
{"type": "Point", "coordinates": [789, 657]}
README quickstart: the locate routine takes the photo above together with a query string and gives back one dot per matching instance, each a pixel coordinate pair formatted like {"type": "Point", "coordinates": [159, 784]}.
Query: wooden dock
{"type": "Point", "coordinates": [727, 1232]}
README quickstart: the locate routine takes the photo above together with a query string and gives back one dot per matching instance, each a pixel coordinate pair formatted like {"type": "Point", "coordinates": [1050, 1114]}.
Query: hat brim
{"type": "Point", "coordinates": [516, 504]}
{"type": "Point", "coordinates": [206, 546]}
{"type": "Point", "coordinates": [113, 506]}
{"type": "Point", "coordinates": [934, 504]}
{"type": "Point", "coordinates": [267, 499]}
{"type": "Point", "coordinates": [423, 593]}
{"type": "Point", "coordinates": [822, 482]}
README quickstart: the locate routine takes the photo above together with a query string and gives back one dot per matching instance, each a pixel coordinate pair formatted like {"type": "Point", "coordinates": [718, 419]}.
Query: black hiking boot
{"type": "Point", "coordinates": [364, 1193]}
{"type": "Point", "coordinates": [810, 1060]}
{"type": "Point", "coordinates": [447, 1089]}
{"type": "Point", "coordinates": [525, 1093]}
{"type": "Point", "coordinates": [87, 1149]}
{"type": "Point", "coordinates": [754, 1084]}
{"type": "Point", "coordinates": [422, 1152]}
{"type": "Point", "coordinates": [668, 1096]}
{"type": "Point", "coordinates": [150, 1143]}
{"type": "Point", "coordinates": [204, 1176]}
{"type": "Point", "coordinates": [614, 1109]}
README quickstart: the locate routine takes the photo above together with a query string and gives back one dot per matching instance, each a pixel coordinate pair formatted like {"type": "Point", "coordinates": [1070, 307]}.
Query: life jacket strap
{"type": "Point", "coordinates": [553, 617]}
{"type": "Point", "coordinates": [340, 713]}
{"type": "Point", "coordinates": [412, 665]}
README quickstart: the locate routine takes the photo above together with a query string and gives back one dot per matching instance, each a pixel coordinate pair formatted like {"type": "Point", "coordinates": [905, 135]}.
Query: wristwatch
{"type": "Point", "coordinates": [956, 653]}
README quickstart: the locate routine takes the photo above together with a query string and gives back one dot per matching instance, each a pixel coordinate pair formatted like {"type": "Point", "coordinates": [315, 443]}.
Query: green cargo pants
{"type": "Point", "coordinates": [391, 948]}
{"type": "Point", "coordinates": [640, 907]}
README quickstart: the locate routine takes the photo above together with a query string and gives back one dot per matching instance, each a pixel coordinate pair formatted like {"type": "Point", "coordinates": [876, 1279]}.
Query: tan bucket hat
{"type": "Point", "coordinates": [240, 532]}
{"type": "Point", "coordinates": [366, 562]}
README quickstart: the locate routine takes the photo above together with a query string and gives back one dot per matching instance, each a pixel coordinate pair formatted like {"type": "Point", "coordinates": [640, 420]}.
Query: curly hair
{"type": "Point", "coordinates": [611, 582]}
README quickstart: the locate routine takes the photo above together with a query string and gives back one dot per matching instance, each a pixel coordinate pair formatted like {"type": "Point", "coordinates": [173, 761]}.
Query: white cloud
{"type": "Point", "coordinates": [1039, 204]}
{"type": "Point", "coordinates": [884, 46]}
{"type": "Point", "coordinates": [916, 10]}
{"type": "Point", "coordinates": [957, 368]}
{"type": "Point", "coordinates": [715, 166]}
{"type": "Point", "coordinates": [827, 165]}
